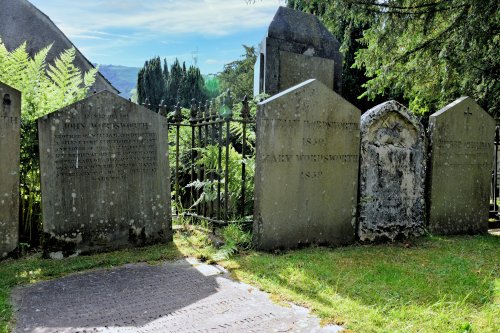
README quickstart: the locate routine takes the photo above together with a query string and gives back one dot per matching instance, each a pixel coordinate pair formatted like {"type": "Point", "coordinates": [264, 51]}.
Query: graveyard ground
{"type": "Point", "coordinates": [434, 284]}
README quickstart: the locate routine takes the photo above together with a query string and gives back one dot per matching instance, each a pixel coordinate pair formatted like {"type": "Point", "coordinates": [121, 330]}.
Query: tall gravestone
{"type": "Point", "coordinates": [306, 178]}
{"type": "Point", "coordinates": [10, 122]}
{"type": "Point", "coordinates": [104, 176]}
{"type": "Point", "coordinates": [297, 47]}
{"type": "Point", "coordinates": [392, 181]}
{"type": "Point", "coordinates": [461, 141]}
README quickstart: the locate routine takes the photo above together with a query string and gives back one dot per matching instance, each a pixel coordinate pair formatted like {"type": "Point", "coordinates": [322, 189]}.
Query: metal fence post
{"type": "Point", "coordinates": [245, 115]}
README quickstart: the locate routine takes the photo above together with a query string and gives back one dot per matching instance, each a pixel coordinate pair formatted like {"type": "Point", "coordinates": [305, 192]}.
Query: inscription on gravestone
{"type": "Point", "coordinates": [306, 168]}
{"type": "Point", "coordinates": [392, 174]}
{"type": "Point", "coordinates": [10, 122]}
{"type": "Point", "coordinates": [461, 136]}
{"type": "Point", "coordinates": [105, 176]}
{"type": "Point", "coordinates": [297, 47]}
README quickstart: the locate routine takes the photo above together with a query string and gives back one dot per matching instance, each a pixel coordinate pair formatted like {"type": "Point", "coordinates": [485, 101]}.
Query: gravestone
{"type": "Point", "coordinates": [298, 47]}
{"type": "Point", "coordinates": [10, 122]}
{"type": "Point", "coordinates": [306, 178]}
{"type": "Point", "coordinates": [461, 141]}
{"type": "Point", "coordinates": [392, 181]}
{"type": "Point", "coordinates": [104, 176]}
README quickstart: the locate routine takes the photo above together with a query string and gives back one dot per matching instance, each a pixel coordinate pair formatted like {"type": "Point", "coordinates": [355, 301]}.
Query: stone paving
{"type": "Point", "coordinates": [183, 296]}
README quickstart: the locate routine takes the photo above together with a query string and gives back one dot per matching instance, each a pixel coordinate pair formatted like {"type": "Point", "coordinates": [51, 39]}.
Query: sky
{"type": "Point", "coordinates": [209, 33]}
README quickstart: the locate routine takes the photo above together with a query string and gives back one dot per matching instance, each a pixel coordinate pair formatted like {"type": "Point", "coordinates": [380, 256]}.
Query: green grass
{"type": "Point", "coordinates": [435, 285]}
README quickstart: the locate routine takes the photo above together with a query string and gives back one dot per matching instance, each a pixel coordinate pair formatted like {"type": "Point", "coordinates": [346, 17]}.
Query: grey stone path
{"type": "Point", "coordinates": [175, 297]}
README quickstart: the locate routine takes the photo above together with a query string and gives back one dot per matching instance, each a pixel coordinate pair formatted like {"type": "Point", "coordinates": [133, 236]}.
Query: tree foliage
{"type": "Point", "coordinates": [238, 75]}
{"type": "Point", "coordinates": [177, 84]}
{"type": "Point", "coordinates": [45, 88]}
{"type": "Point", "coordinates": [428, 51]}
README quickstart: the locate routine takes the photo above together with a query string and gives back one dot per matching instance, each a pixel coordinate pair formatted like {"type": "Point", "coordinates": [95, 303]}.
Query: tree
{"type": "Point", "coordinates": [428, 51]}
{"type": "Point", "coordinates": [45, 88]}
{"type": "Point", "coordinates": [177, 85]}
{"type": "Point", "coordinates": [151, 83]}
{"type": "Point", "coordinates": [238, 75]}
{"type": "Point", "coordinates": [347, 24]}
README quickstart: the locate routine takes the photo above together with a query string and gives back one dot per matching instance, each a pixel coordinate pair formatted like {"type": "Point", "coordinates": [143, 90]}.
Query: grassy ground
{"type": "Point", "coordinates": [433, 285]}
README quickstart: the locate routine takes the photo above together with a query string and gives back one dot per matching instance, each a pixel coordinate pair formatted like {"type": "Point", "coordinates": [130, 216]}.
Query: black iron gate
{"type": "Point", "coordinates": [494, 182]}
{"type": "Point", "coordinates": [202, 191]}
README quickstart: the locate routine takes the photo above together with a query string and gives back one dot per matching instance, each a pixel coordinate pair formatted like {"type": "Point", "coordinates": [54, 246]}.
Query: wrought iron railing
{"type": "Point", "coordinates": [210, 126]}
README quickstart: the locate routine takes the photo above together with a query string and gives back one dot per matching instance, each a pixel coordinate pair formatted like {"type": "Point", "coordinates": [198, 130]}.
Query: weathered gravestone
{"type": "Point", "coordinates": [104, 176]}
{"type": "Point", "coordinates": [298, 47]}
{"type": "Point", "coordinates": [461, 138]}
{"type": "Point", "coordinates": [306, 177]}
{"type": "Point", "coordinates": [392, 182]}
{"type": "Point", "coordinates": [10, 122]}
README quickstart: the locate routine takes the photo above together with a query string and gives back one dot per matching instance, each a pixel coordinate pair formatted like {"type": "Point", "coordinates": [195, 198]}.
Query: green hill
{"type": "Point", "coordinates": [121, 77]}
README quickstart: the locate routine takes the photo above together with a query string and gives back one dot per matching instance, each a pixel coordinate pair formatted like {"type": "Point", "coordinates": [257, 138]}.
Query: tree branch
{"type": "Point", "coordinates": [433, 40]}
{"type": "Point", "coordinates": [384, 5]}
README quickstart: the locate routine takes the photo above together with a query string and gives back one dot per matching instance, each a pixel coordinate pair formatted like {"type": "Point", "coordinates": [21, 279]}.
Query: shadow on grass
{"type": "Point", "coordinates": [455, 274]}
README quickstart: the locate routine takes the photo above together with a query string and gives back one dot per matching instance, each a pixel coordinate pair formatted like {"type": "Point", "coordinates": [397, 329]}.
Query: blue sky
{"type": "Point", "coordinates": [128, 32]}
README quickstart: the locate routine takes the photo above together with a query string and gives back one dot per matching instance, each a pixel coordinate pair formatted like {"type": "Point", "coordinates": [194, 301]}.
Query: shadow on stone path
{"type": "Point", "coordinates": [173, 297]}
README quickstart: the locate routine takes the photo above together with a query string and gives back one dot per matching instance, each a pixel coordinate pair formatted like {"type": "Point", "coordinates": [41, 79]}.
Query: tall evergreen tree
{"type": "Point", "coordinates": [177, 85]}
{"type": "Point", "coordinates": [430, 52]}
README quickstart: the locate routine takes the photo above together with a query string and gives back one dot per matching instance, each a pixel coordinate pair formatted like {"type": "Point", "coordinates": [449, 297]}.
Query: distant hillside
{"type": "Point", "coordinates": [122, 77]}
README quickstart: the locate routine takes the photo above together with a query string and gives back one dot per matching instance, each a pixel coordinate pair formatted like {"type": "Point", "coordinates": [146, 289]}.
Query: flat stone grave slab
{"type": "Point", "coordinates": [173, 297]}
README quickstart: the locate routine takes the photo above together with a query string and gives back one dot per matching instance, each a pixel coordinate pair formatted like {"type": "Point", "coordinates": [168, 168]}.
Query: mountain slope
{"type": "Point", "coordinates": [122, 77]}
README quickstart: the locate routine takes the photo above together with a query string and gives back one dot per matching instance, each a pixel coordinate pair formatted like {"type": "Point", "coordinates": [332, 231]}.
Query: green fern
{"type": "Point", "coordinates": [45, 88]}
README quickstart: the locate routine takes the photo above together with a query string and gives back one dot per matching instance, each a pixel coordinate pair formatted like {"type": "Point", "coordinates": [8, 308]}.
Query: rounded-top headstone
{"type": "Point", "coordinates": [392, 180]}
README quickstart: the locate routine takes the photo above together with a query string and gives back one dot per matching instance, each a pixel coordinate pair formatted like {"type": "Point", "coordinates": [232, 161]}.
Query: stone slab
{"type": "Point", "coordinates": [298, 47]}
{"type": "Point", "coordinates": [304, 66]}
{"type": "Point", "coordinates": [306, 179]}
{"type": "Point", "coordinates": [392, 175]}
{"type": "Point", "coordinates": [105, 176]}
{"type": "Point", "coordinates": [173, 297]}
{"type": "Point", "coordinates": [10, 122]}
{"type": "Point", "coordinates": [461, 141]}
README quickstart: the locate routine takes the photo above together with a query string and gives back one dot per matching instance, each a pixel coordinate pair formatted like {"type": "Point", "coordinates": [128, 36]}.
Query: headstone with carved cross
{"type": "Point", "coordinates": [10, 122]}
{"type": "Point", "coordinates": [461, 161]}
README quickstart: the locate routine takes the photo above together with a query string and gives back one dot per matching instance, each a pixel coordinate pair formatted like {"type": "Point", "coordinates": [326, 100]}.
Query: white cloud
{"type": "Point", "coordinates": [206, 17]}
